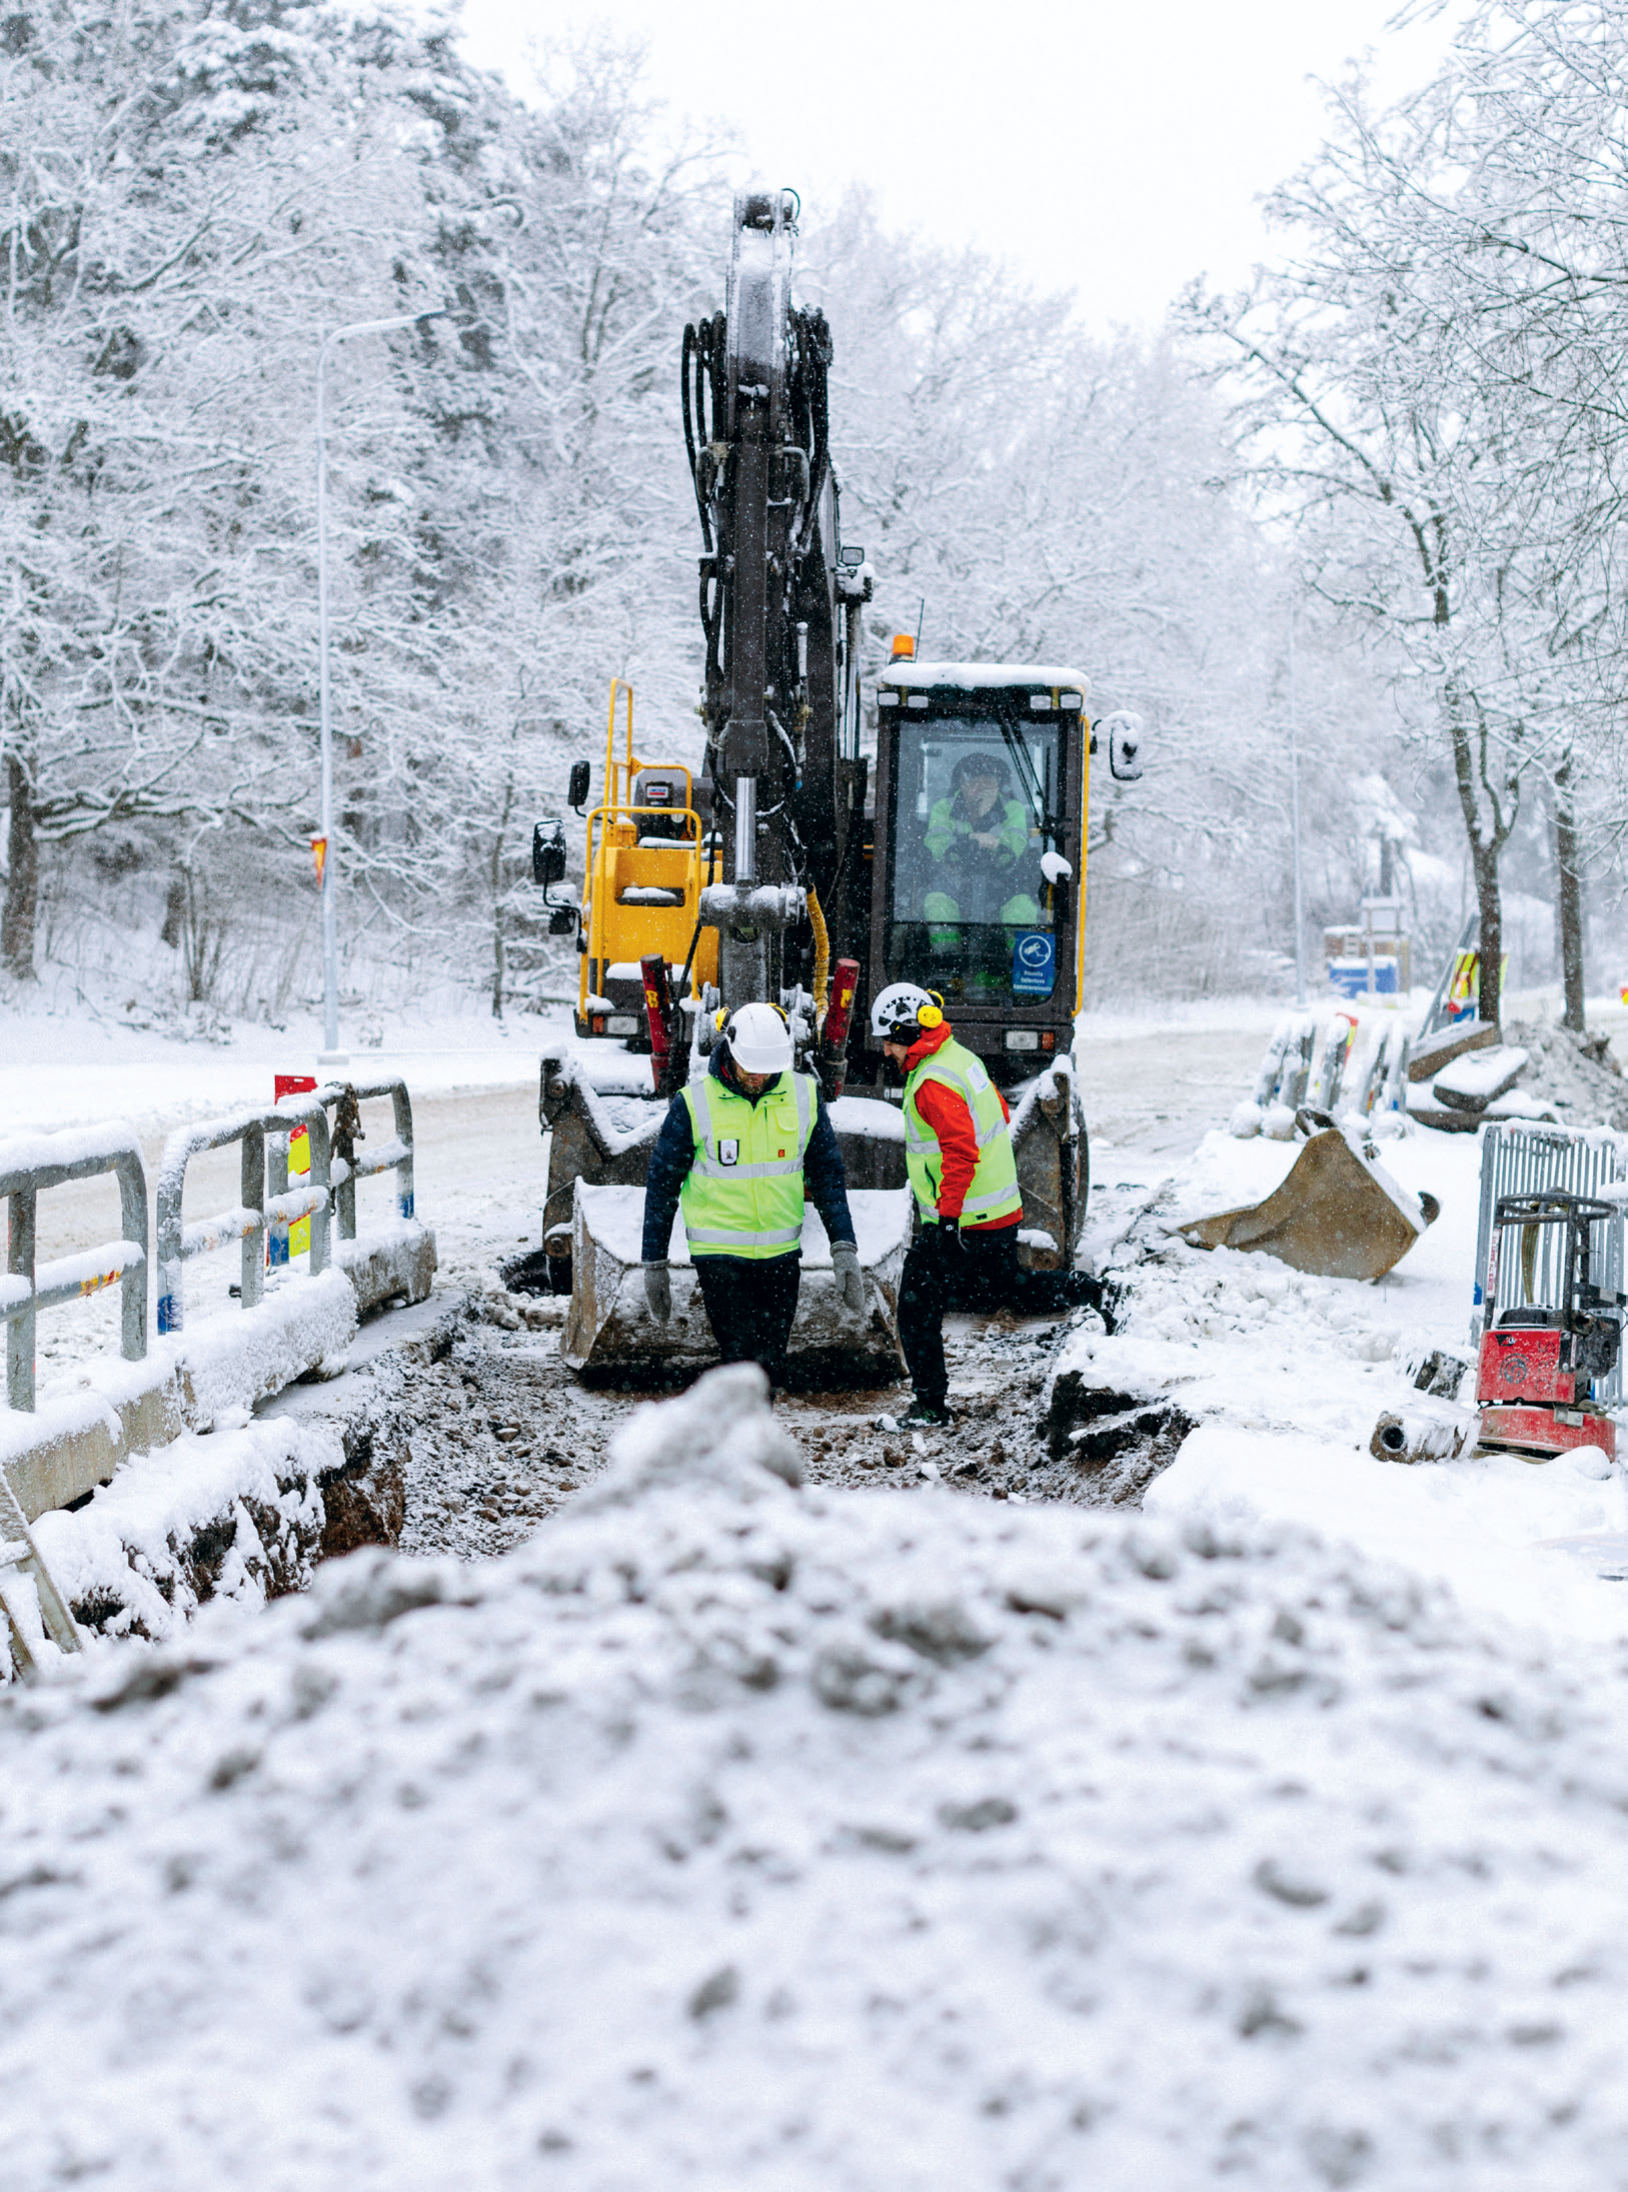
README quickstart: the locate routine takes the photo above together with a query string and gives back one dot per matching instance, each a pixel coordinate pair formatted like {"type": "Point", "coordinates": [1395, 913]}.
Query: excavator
{"type": "Point", "coordinates": [813, 860]}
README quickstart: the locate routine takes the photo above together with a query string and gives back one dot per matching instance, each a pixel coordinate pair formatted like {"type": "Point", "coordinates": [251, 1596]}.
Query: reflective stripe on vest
{"type": "Point", "coordinates": [743, 1194]}
{"type": "Point", "coordinates": [993, 1192]}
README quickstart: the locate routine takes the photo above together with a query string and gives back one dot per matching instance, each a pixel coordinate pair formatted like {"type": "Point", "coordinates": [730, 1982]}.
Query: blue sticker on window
{"type": "Point", "coordinates": [1034, 964]}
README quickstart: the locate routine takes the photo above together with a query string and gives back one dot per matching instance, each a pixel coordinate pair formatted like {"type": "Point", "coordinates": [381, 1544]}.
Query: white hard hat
{"type": "Point", "coordinates": [903, 1011]}
{"type": "Point", "coordinates": [759, 1039]}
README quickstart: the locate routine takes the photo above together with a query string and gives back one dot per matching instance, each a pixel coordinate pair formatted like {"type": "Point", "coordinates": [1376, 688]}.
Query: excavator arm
{"type": "Point", "coordinates": [779, 610]}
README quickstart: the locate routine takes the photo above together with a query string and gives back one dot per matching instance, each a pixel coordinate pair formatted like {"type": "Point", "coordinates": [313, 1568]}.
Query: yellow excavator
{"type": "Point", "coordinates": [813, 860]}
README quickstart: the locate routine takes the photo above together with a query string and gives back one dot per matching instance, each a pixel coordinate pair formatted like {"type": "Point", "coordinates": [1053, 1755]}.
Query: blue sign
{"type": "Point", "coordinates": [1034, 964]}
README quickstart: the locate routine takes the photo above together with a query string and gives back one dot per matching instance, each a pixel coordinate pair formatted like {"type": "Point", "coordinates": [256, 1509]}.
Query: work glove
{"type": "Point", "coordinates": [950, 1242]}
{"type": "Point", "coordinates": [850, 1282]}
{"type": "Point", "coordinates": [658, 1291]}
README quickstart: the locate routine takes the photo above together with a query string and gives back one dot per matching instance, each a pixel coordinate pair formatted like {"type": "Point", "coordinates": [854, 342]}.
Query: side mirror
{"type": "Point", "coordinates": [581, 777]}
{"type": "Point", "coordinates": [548, 851]}
{"type": "Point", "coordinates": [1125, 733]}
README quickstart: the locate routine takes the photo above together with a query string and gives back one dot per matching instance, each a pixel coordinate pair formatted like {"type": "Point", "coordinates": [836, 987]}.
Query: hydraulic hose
{"type": "Point", "coordinates": [822, 956]}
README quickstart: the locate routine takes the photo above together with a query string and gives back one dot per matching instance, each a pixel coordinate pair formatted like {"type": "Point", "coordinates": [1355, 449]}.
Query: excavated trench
{"type": "Point", "coordinates": [468, 1437]}
{"type": "Point", "coordinates": [488, 1432]}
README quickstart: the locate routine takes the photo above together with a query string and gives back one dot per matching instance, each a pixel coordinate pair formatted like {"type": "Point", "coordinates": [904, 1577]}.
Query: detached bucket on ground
{"type": "Point", "coordinates": [610, 1329]}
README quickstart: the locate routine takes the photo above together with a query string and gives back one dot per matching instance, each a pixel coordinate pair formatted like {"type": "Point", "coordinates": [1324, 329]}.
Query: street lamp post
{"type": "Point", "coordinates": [330, 953]}
{"type": "Point", "coordinates": [1294, 798]}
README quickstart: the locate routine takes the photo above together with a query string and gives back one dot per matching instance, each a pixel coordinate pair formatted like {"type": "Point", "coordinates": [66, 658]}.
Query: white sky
{"type": "Point", "coordinates": [1116, 149]}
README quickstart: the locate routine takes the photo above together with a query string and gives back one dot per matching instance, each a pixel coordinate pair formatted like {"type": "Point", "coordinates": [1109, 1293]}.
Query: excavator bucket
{"type": "Point", "coordinates": [1053, 1168]}
{"type": "Point", "coordinates": [1338, 1214]}
{"type": "Point", "coordinates": [609, 1327]}
{"type": "Point", "coordinates": [599, 1152]}
{"type": "Point", "coordinates": [594, 1219]}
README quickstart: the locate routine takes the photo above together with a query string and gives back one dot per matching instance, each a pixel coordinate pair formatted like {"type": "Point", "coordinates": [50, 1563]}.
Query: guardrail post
{"type": "Point", "coordinates": [20, 1330]}
{"type": "Point", "coordinates": [133, 1284]}
{"type": "Point", "coordinates": [252, 1285]}
{"type": "Point", "coordinates": [347, 1132]}
{"type": "Point", "coordinates": [171, 1298]}
{"type": "Point", "coordinates": [320, 1175]}
{"type": "Point", "coordinates": [277, 1233]}
{"type": "Point", "coordinates": [402, 1104]}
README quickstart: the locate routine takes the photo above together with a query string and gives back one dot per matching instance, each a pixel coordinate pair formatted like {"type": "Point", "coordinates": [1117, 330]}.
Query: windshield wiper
{"type": "Point", "coordinates": [1017, 747]}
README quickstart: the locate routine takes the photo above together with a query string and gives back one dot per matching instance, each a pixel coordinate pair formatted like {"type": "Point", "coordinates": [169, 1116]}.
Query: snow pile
{"type": "Point", "coordinates": [241, 1356]}
{"type": "Point", "coordinates": [731, 1835]}
{"type": "Point", "coordinates": [1577, 1074]}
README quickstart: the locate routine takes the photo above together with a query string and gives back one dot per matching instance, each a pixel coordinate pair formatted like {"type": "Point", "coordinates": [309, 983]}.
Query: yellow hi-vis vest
{"type": "Point", "coordinates": [744, 1192]}
{"type": "Point", "coordinates": [994, 1190]}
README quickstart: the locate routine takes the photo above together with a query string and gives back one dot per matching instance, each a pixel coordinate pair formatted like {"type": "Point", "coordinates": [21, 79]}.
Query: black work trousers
{"type": "Point", "coordinates": [980, 1272]}
{"type": "Point", "coordinates": [750, 1305]}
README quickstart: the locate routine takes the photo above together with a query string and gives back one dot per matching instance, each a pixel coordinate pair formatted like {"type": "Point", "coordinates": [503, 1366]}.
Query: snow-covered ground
{"type": "Point", "coordinates": [725, 1833]}
{"type": "Point", "coordinates": [1288, 1374]}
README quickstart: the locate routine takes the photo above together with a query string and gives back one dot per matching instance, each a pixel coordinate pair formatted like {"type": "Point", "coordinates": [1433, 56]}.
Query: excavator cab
{"type": "Point", "coordinates": [978, 890]}
{"type": "Point", "coordinates": [645, 864]}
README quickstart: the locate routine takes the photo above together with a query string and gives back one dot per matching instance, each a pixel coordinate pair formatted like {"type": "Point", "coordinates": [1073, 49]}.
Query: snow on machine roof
{"type": "Point", "coordinates": [971, 676]}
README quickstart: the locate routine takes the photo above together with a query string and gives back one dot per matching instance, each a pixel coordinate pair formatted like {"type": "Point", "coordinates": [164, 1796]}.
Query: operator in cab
{"type": "Point", "coordinates": [963, 1172]}
{"type": "Point", "coordinates": [976, 839]}
{"type": "Point", "coordinates": [738, 1152]}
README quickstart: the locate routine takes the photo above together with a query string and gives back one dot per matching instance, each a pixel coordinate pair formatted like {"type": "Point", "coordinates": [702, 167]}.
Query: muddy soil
{"type": "Point", "coordinates": [493, 1434]}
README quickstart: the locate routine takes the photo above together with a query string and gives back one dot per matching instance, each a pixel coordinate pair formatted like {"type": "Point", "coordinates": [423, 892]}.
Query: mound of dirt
{"type": "Point", "coordinates": [1577, 1073]}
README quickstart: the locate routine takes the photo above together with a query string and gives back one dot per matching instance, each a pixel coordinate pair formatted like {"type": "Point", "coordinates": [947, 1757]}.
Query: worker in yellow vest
{"type": "Point", "coordinates": [738, 1151]}
{"type": "Point", "coordinates": [963, 1171]}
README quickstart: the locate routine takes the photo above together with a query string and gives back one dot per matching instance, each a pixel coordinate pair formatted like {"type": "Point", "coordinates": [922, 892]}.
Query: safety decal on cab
{"type": "Point", "coordinates": [729, 1152]}
{"type": "Point", "coordinates": [1034, 964]}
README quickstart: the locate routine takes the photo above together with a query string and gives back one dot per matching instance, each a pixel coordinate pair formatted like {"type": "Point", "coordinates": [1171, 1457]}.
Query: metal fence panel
{"type": "Point", "coordinates": [29, 1169]}
{"type": "Point", "coordinates": [249, 1221]}
{"type": "Point", "coordinates": [348, 1166]}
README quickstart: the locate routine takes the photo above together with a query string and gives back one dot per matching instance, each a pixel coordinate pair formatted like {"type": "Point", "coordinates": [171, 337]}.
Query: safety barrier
{"type": "Point", "coordinates": [27, 1170]}
{"type": "Point", "coordinates": [195, 1377]}
{"type": "Point", "coordinates": [1524, 1160]}
{"type": "Point", "coordinates": [345, 1099]}
{"type": "Point", "coordinates": [256, 1212]}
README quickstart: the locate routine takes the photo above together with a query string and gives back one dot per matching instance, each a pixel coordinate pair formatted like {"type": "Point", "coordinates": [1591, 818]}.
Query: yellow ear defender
{"type": "Point", "coordinates": [931, 1016]}
{"type": "Point", "coordinates": [720, 1019]}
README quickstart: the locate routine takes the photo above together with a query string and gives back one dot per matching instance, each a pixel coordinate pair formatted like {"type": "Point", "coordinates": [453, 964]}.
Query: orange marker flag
{"type": "Point", "coordinates": [319, 853]}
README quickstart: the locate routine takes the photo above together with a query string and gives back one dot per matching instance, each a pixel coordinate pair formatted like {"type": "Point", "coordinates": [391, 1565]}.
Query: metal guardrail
{"type": "Point", "coordinates": [25, 1290]}
{"type": "Point", "coordinates": [1524, 1160]}
{"type": "Point", "coordinates": [256, 1212]}
{"type": "Point", "coordinates": [345, 1100]}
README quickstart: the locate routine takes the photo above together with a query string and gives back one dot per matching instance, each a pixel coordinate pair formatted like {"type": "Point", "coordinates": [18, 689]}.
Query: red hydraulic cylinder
{"type": "Point", "coordinates": [834, 1034]}
{"type": "Point", "coordinates": [658, 1013]}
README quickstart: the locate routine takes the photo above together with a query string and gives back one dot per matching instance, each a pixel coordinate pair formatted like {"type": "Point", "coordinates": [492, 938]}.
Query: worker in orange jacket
{"type": "Point", "coordinates": [958, 1151]}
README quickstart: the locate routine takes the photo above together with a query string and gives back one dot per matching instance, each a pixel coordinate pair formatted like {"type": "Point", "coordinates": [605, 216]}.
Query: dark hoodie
{"type": "Point", "coordinates": [824, 1180]}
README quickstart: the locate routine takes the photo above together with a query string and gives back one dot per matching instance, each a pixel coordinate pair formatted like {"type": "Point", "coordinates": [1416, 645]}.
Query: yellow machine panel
{"type": "Point", "coordinates": [643, 875]}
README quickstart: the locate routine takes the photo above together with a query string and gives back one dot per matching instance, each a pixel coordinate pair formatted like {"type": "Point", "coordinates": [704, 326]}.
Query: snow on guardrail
{"type": "Point", "coordinates": [31, 1165]}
